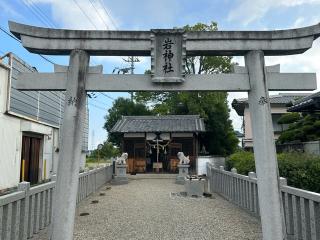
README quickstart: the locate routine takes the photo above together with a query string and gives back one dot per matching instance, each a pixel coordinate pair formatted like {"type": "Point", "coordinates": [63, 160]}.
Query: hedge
{"type": "Point", "coordinates": [302, 170]}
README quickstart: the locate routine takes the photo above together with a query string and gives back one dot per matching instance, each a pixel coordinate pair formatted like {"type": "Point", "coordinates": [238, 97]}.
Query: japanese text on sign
{"type": "Point", "coordinates": [167, 55]}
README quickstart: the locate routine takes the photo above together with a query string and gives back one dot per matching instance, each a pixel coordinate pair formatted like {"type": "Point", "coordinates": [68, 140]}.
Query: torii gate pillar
{"type": "Point", "coordinates": [264, 148]}
{"type": "Point", "coordinates": [70, 148]}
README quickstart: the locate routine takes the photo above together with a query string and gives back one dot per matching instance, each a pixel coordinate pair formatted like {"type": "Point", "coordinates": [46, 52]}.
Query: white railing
{"type": "Point", "coordinates": [301, 208]}
{"type": "Point", "coordinates": [27, 211]}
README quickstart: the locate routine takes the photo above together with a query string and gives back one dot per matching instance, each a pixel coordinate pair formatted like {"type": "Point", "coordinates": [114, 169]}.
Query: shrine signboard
{"type": "Point", "coordinates": [168, 55]}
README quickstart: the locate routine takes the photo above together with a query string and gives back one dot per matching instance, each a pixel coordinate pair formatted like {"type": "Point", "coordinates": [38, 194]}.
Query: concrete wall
{"type": "Point", "coordinates": [312, 147]}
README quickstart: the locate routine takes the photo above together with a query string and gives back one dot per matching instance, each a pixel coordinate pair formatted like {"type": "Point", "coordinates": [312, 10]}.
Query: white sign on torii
{"type": "Point", "coordinates": [168, 49]}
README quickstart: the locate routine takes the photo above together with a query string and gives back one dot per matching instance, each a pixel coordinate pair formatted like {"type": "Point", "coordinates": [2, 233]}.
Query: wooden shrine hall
{"type": "Point", "coordinates": [152, 142]}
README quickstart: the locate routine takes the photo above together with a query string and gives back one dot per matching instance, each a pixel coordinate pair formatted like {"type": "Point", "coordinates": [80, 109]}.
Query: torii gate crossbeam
{"type": "Point", "coordinates": [168, 75]}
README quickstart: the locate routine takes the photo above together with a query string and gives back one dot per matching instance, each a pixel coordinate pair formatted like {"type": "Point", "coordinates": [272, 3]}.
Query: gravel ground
{"type": "Point", "coordinates": [145, 209]}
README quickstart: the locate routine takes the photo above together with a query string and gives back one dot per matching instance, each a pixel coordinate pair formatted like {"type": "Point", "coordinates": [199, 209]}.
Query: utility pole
{"type": "Point", "coordinates": [131, 60]}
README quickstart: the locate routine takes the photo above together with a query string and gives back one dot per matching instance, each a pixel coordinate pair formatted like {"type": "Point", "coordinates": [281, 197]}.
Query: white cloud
{"type": "Point", "coordinates": [69, 15]}
{"type": "Point", "coordinates": [299, 22]}
{"type": "Point", "coordinates": [248, 11]}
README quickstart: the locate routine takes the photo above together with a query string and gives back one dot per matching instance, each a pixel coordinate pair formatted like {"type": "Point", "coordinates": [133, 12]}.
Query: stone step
{"type": "Point", "coordinates": [152, 176]}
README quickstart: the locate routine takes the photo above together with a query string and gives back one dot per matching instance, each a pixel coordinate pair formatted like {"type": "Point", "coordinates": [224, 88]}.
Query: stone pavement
{"type": "Point", "coordinates": [146, 209]}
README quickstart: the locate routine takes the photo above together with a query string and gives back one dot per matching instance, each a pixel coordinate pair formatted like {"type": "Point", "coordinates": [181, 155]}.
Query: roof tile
{"type": "Point", "coordinates": [168, 123]}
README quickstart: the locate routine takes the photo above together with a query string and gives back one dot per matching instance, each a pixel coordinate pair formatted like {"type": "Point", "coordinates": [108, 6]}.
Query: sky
{"type": "Point", "coordinates": [150, 14]}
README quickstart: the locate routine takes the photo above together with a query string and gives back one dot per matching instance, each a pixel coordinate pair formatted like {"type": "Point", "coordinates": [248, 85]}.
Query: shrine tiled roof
{"type": "Point", "coordinates": [282, 99]}
{"type": "Point", "coordinates": [310, 103]}
{"type": "Point", "coordinates": [168, 123]}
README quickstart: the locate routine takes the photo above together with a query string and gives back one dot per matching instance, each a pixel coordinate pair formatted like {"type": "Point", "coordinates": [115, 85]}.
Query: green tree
{"type": "Point", "coordinates": [122, 107]}
{"type": "Point", "coordinates": [212, 106]}
{"type": "Point", "coordinates": [108, 151]}
{"type": "Point", "coordinates": [288, 118]}
{"type": "Point", "coordinates": [301, 128]}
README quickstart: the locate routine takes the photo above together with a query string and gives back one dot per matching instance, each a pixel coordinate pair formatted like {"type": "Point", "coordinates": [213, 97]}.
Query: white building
{"type": "Point", "coordinates": [29, 128]}
{"type": "Point", "coordinates": [278, 104]}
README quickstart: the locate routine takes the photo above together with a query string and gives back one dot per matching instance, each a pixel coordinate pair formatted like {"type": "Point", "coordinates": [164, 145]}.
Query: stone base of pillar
{"type": "Point", "coordinates": [183, 172]}
{"type": "Point", "coordinates": [119, 180]}
{"type": "Point", "coordinates": [121, 175]}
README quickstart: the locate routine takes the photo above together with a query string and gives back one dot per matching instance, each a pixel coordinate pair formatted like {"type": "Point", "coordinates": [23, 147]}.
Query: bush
{"type": "Point", "coordinates": [302, 170]}
{"type": "Point", "coordinates": [289, 118]}
{"type": "Point", "coordinates": [242, 161]}
{"type": "Point", "coordinates": [306, 128]}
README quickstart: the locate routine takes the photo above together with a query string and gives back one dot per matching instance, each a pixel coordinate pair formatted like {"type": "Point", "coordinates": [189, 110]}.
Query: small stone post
{"type": "Point", "coordinates": [24, 186]}
{"type": "Point", "coordinates": [252, 175]}
{"type": "Point", "coordinates": [264, 148]}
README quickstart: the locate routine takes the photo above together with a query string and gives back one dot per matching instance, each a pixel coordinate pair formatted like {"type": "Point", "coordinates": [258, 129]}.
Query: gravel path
{"type": "Point", "coordinates": [144, 209]}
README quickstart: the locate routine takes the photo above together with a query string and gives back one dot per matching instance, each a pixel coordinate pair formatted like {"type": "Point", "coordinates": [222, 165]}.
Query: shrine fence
{"type": "Point", "coordinates": [29, 210]}
{"type": "Point", "coordinates": [301, 208]}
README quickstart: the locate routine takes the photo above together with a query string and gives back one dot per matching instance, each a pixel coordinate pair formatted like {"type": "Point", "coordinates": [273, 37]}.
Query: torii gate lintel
{"type": "Point", "coordinates": [238, 81]}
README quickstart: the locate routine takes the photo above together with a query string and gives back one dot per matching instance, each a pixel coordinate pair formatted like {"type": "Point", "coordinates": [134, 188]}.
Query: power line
{"type": "Point", "coordinates": [103, 103]}
{"type": "Point", "coordinates": [39, 12]}
{"type": "Point", "coordinates": [18, 40]}
{"type": "Point", "coordinates": [47, 59]}
{"type": "Point", "coordinates": [109, 15]}
{"type": "Point", "coordinates": [51, 23]}
{"type": "Point", "coordinates": [3, 30]}
{"type": "Point", "coordinates": [34, 12]}
{"type": "Point", "coordinates": [99, 15]}
{"type": "Point", "coordinates": [98, 107]}
{"type": "Point", "coordinates": [106, 95]}
{"type": "Point", "coordinates": [84, 13]}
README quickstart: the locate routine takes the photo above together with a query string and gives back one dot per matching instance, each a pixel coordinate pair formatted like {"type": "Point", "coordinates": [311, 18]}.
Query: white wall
{"type": "Point", "coordinates": [10, 139]}
{"type": "Point", "coordinates": [11, 129]}
{"type": "Point", "coordinates": [276, 113]}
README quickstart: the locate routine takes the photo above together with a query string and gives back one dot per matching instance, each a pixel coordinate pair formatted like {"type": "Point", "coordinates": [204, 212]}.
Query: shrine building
{"type": "Point", "coordinates": [152, 142]}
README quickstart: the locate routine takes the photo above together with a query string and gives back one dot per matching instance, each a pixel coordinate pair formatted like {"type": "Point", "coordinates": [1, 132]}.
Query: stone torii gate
{"type": "Point", "coordinates": [168, 50]}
